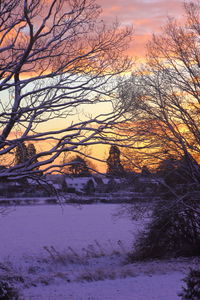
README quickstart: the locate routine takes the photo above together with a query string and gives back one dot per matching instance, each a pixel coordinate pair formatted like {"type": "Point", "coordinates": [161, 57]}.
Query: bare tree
{"type": "Point", "coordinates": [57, 59]}
{"type": "Point", "coordinates": [164, 102]}
{"type": "Point", "coordinates": [165, 94]}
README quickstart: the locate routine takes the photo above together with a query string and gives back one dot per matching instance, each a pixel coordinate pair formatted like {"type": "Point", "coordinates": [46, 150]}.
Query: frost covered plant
{"type": "Point", "coordinates": [192, 289]}
{"type": "Point", "coordinates": [97, 275]}
{"type": "Point", "coordinates": [173, 231]}
{"type": "Point", "coordinates": [7, 292]}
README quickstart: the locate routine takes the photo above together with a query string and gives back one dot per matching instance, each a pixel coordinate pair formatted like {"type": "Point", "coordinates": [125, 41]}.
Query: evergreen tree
{"type": "Point", "coordinates": [25, 153]}
{"type": "Point", "coordinates": [115, 167]}
{"type": "Point", "coordinates": [21, 154]}
{"type": "Point", "coordinates": [31, 152]}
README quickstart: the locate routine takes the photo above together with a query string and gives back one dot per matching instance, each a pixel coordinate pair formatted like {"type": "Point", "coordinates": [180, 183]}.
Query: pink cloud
{"type": "Point", "coordinates": [146, 16]}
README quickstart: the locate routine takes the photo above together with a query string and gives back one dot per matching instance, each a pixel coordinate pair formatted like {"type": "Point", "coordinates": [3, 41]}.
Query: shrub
{"type": "Point", "coordinates": [192, 289]}
{"type": "Point", "coordinates": [7, 292]}
{"type": "Point", "coordinates": [173, 231]}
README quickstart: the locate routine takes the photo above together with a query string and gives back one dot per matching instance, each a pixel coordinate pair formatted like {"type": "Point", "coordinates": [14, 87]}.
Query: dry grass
{"type": "Point", "coordinates": [93, 263]}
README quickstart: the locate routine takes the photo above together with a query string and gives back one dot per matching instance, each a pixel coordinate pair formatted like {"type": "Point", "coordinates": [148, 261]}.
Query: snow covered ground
{"type": "Point", "coordinates": [157, 287]}
{"type": "Point", "coordinates": [27, 229]}
{"type": "Point", "coordinates": [79, 253]}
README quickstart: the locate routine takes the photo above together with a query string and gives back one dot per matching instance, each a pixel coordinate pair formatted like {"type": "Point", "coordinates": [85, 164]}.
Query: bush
{"type": "Point", "coordinates": [192, 289]}
{"type": "Point", "coordinates": [173, 231]}
{"type": "Point", "coordinates": [7, 292]}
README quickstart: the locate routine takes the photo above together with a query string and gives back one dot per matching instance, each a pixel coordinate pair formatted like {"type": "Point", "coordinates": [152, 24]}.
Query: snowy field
{"type": "Point", "coordinates": [27, 229]}
{"type": "Point", "coordinates": [79, 253]}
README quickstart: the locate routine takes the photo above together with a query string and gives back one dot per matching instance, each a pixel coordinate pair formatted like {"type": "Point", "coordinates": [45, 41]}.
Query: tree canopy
{"type": "Point", "coordinates": [77, 167]}
{"type": "Point", "coordinates": [57, 59]}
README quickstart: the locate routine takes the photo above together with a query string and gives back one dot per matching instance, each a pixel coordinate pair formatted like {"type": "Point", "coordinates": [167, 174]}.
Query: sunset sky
{"type": "Point", "coordinates": [146, 16]}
